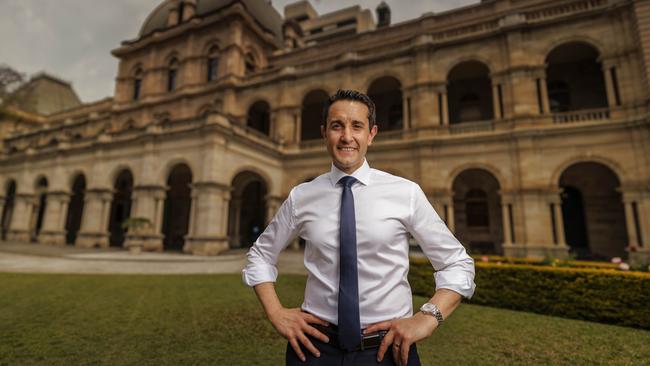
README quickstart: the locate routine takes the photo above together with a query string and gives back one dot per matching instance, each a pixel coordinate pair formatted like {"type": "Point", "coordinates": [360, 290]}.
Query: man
{"type": "Point", "coordinates": [355, 221]}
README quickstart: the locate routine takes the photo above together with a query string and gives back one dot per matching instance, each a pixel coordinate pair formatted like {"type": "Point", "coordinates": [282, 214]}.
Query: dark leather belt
{"type": "Point", "coordinates": [368, 341]}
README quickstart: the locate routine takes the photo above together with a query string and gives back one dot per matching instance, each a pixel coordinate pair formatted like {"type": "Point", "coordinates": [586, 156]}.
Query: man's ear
{"type": "Point", "coordinates": [373, 132]}
{"type": "Point", "coordinates": [322, 131]}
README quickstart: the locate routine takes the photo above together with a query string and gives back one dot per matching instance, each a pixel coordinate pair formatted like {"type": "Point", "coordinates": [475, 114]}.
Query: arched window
{"type": "Point", "coordinates": [259, 117]}
{"type": "Point", "coordinates": [312, 114]}
{"type": "Point", "coordinates": [137, 84]}
{"type": "Point", "coordinates": [172, 75]}
{"type": "Point", "coordinates": [575, 78]}
{"type": "Point", "coordinates": [249, 63]}
{"type": "Point", "coordinates": [181, 11]}
{"type": "Point", "coordinates": [386, 92]}
{"type": "Point", "coordinates": [213, 64]}
{"type": "Point", "coordinates": [469, 93]}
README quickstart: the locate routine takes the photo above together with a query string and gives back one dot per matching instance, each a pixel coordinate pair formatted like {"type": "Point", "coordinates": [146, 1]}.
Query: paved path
{"type": "Point", "coordinates": [35, 258]}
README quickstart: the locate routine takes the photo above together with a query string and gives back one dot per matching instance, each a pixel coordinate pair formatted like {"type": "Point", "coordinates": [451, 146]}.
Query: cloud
{"type": "Point", "coordinates": [72, 39]}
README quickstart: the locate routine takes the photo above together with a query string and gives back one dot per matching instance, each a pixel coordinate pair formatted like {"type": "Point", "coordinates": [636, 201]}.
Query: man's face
{"type": "Point", "coordinates": [347, 134]}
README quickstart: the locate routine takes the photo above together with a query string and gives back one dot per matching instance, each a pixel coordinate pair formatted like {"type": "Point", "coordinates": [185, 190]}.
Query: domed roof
{"type": "Point", "coordinates": [261, 10]}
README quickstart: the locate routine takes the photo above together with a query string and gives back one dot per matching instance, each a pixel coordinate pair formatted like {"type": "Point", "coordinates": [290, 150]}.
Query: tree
{"type": "Point", "coordinates": [10, 80]}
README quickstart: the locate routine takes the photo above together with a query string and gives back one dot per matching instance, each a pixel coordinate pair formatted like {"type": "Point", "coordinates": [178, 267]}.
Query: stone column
{"type": "Point", "coordinates": [507, 225]}
{"type": "Point", "coordinates": [273, 204]}
{"type": "Point", "coordinates": [546, 107]}
{"type": "Point", "coordinates": [148, 204]}
{"type": "Point", "coordinates": [538, 227]}
{"type": "Point", "coordinates": [208, 235]}
{"type": "Point", "coordinates": [19, 229]}
{"type": "Point", "coordinates": [94, 223]}
{"type": "Point", "coordinates": [556, 201]}
{"type": "Point", "coordinates": [53, 230]}
{"type": "Point", "coordinates": [636, 204]}
{"type": "Point", "coordinates": [443, 203]}
{"type": "Point", "coordinates": [495, 98]}
{"type": "Point", "coordinates": [287, 124]}
{"type": "Point", "coordinates": [441, 90]}
{"type": "Point", "coordinates": [609, 84]}
{"type": "Point", "coordinates": [3, 213]}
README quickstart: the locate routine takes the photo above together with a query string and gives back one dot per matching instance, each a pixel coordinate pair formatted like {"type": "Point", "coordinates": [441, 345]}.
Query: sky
{"type": "Point", "coordinates": [72, 39]}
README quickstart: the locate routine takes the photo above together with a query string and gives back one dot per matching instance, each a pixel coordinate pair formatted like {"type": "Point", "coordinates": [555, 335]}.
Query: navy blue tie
{"type": "Point", "coordinates": [349, 323]}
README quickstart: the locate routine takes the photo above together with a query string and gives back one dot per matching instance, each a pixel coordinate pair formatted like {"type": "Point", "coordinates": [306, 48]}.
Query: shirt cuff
{"type": "Point", "coordinates": [258, 273]}
{"type": "Point", "coordinates": [460, 282]}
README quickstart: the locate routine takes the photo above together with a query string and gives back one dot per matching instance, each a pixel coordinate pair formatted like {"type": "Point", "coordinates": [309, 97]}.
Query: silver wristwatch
{"type": "Point", "coordinates": [432, 309]}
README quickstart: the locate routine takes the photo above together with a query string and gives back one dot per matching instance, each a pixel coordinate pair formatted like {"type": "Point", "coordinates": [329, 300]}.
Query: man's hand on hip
{"type": "Point", "coordinates": [294, 325]}
{"type": "Point", "coordinates": [402, 333]}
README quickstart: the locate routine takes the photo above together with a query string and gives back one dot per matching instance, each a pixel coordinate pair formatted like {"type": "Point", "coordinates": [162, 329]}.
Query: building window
{"type": "Point", "coordinates": [137, 85]}
{"type": "Point", "coordinates": [172, 75]}
{"type": "Point", "coordinates": [249, 63]}
{"type": "Point", "coordinates": [213, 68]}
{"type": "Point", "coordinates": [212, 71]}
{"type": "Point", "coordinates": [181, 10]}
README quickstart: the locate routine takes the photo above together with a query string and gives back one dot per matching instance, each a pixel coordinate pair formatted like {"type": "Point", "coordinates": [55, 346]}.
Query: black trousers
{"type": "Point", "coordinates": [332, 355]}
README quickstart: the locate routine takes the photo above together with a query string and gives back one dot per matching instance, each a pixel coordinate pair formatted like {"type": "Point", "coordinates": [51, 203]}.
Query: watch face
{"type": "Point", "coordinates": [428, 307]}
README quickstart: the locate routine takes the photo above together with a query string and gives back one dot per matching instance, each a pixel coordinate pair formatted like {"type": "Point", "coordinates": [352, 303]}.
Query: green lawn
{"type": "Point", "coordinates": [215, 320]}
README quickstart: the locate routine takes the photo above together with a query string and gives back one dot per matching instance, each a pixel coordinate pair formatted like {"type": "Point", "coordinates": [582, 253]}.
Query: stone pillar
{"type": "Point", "coordinates": [507, 225]}
{"type": "Point", "coordinates": [495, 98]}
{"type": "Point", "coordinates": [208, 230]}
{"type": "Point", "coordinates": [609, 84]}
{"type": "Point", "coordinates": [546, 107]}
{"type": "Point", "coordinates": [637, 204]}
{"type": "Point", "coordinates": [273, 204]}
{"type": "Point", "coordinates": [53, 230]}
{"type": "Point", "coordinates": [94, 223]}
{"type": "Point", "coordinates": [538, 226]}
{"type": "Point", "coordinates": [148, 204]}
{"type": "Point", "coordinates": [556, 201]}
{"type": "Point", "coordinates": [443, 203]}
{"type": "Point", "coordinates": [287, 124]}
{"type": "Point", "coordinates": [424, 107]}
{"type": "Point", "coordinates": [235, 203]}
{"type": "Point", "coordinates": [19, 229]}
{"type": "Point", "coordinates": [445, 109]}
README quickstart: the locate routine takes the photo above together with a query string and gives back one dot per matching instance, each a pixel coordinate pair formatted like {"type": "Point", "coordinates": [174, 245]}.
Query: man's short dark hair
{"type": "Point", "coordinates": [353, 95]}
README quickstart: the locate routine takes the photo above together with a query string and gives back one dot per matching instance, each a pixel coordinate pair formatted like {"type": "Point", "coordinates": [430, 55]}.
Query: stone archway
{"type": "Point", "coordinates": [593, 211]}
{"type": "Point", "coordinates": [39, 208]}
{"type": "Point", "coordinates": [247, 209]}
{"type": "Point", "coordinates": [259, 117]}
{"type": "Point", "coordinates": [477, 211]}
{"type": "Point", "coordinates": [312, 114]}
{"type": "Point", "coordinates": [120, 207]}
{"type": "Point", "coordinates": [469, 93]}
{"type": "Point", "coordinates": [75, 209]}
{"type": "Point", "coordinates": [8, 208]}
{"type": "Point", "coordinates": [386, 93]}
{"type": "Point", "coordinates": [178, 204]}
{"type": "Point", "coordinates": [574, 78]}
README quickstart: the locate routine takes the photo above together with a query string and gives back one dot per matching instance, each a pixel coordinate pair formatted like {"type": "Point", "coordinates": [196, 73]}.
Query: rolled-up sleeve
{"type": "Point", "coordinates": [262, 258]}
{"type": "Point", "coordinates": [454, 268]}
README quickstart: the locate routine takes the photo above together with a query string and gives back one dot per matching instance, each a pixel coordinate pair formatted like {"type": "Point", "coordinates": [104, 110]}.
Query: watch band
{"type": "Point", "coordinates": [432, 309]}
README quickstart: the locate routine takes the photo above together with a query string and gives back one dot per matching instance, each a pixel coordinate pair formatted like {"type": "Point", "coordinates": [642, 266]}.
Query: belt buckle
{"type": "Point", "coordinates": [376, 336]}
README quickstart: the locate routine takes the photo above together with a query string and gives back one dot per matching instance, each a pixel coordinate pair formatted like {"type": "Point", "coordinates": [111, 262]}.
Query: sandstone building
{"type": "Point", "coordinates": [525, 122]}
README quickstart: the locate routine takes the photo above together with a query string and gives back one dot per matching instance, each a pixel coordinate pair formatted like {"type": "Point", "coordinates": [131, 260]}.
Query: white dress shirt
{"type": "Point", "coordinates": [387, 209]}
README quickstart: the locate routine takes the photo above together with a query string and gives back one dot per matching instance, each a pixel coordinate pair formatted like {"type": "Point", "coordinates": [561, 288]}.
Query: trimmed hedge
{"type": "Point", "coordinates": [600, 295]}
{"type": "Point", "coordinates": [548, 262]}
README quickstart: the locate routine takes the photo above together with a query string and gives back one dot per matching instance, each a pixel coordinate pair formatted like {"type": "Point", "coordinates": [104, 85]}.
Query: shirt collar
{"type": "Point", "coordinates": [362, 173]}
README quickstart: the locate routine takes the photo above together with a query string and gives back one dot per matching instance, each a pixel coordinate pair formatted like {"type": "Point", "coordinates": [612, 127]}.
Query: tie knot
{"type": "Point", "coordinates": [347, 181]}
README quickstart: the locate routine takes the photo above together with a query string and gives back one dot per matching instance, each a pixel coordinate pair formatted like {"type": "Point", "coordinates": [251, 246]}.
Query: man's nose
{"type": "Point", "coordinates": [347, 134]}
